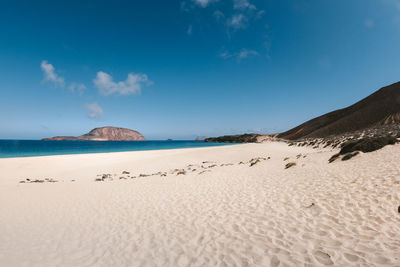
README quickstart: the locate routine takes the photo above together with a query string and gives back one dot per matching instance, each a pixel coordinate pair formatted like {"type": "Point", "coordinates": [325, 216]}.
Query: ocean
{"type": "Point", "coordinates": [33, 148]}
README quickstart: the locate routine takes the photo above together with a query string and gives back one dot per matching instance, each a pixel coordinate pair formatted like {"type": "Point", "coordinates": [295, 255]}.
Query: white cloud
{"type": "Point", "coordinates": [50, 74]}
{"type": "Point", "coordinates": [190, 30]}
{"type": "Point", "coordinates": [77, 87]}
{"type": "Point", "coordinates": [95, 110]}
{"type": "Point", "coordinates": [245, 53]}
{"type": "Point", "coordinates": [237, 21]}
{"type": "Point", "coordinates": [242, 54]}
{"type": "Point", "coordinates": [243, 5]}
{"type": "Point", "coordinates": [204, 3]}
{"type": "Point", "coordinates": [225, 55]}
{"type": "Point", "coordinates": [132, 85]}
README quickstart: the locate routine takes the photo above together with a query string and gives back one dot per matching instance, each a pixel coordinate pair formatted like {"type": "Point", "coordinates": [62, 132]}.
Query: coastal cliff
{"type": "Point", "coordinates": [104, 134]}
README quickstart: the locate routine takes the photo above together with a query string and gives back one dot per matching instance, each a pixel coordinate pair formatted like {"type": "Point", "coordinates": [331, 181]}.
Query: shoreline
{"type": "Point", "coordinates": [107, 152]}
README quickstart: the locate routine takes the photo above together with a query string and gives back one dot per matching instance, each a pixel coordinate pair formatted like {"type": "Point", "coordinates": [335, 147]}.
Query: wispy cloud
{"type": "Point", "coordinates": [245, 53]}
{"type": "Point", "coordinates": [234, 16]}
{"type": "Point", "coordinates": [237, 21]}
{"type": "Point", "coordinates": [50, 74]}
{"type": "Point", "coordinates": [218, 15]}
{"type": "Point", "coordinates": [243, 5]}
{"type": "Point", "coordinates": [132, 85]}
{"type": "Point", "coordinates": [95, 111]}
{"type": "Point", "coordinates": [242, 54]}
{"type": "Point", "coordinates": [259, 14]}
{"type": "Point", "coordinates": [77, 87]}
{"type": "Point", "coordinates": [204, 3]}
{"type": "Point", "coordinates": [184, 7]}
{"type": "Point", "coordinates": [225, 55]}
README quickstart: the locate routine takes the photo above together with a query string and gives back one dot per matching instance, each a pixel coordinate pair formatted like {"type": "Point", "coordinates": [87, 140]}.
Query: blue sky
{"type": "Point", "coordinates": [181, 69]}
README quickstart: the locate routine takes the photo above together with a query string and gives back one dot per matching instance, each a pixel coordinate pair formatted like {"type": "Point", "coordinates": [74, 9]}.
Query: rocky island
{"type": "Point", "coordinates": [107, 133]}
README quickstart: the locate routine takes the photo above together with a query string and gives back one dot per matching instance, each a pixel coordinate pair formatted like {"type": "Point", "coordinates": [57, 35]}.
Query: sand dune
{"type": "Point", "coordinates": [312, 214]}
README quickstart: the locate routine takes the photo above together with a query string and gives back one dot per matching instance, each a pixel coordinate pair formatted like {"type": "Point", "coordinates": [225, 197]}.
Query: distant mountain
{"type": "Point", "coordinates": [105, 134]}
{"type": "Point", "coordinates": [380, 108]}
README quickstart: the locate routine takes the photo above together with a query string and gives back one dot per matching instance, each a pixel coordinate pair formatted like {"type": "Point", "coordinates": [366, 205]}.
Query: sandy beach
{"type": "Point", "coordinates": [216, 206]}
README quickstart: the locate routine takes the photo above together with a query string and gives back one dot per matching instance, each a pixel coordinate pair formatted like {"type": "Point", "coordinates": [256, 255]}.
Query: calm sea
{"type": "Point", "coordinates": [31, 148]}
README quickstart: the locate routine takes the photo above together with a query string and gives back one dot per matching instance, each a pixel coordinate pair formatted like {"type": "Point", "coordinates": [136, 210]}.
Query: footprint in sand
{"type": "Point", "coordinates": [323, 258]}
{"type": "Point", "coordinates": [275, 261]}
{"type": "Point", "coordinates": [351, 257]}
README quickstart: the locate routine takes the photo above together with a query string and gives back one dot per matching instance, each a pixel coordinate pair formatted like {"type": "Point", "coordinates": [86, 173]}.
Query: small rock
{"type": "Point", "coordinates": [289, 165]}
{"type": "Point", "coordinates": [252, 163]}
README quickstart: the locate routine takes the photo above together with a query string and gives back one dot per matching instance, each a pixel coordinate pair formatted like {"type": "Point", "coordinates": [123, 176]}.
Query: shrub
{"type": "Point", "coordinates": [367, 144]}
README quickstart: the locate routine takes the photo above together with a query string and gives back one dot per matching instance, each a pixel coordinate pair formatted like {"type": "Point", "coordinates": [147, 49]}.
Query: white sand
{"type": "Point", "coordinates": [312, 214]}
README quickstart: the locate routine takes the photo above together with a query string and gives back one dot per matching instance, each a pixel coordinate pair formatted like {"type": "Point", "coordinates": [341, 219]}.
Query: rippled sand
{"type": "Point", "coordinates": [312, 214]}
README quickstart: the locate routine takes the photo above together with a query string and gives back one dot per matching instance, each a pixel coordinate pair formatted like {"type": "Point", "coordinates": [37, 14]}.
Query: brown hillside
{"type": "Point", "coordinates": [380, 108]}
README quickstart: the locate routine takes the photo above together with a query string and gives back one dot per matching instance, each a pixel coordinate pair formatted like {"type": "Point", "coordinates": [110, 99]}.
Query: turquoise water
{"type": "Point", "coordinates": [32, 148]}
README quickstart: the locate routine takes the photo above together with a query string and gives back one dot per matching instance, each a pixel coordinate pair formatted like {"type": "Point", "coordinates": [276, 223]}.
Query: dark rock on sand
{"type": "Point", "coordinates": [289, 165]}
